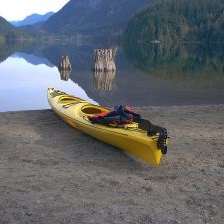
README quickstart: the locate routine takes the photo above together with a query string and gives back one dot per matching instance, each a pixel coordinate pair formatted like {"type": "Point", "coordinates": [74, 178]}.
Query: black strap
{"type": "Point", "coordinates": [155, 130]}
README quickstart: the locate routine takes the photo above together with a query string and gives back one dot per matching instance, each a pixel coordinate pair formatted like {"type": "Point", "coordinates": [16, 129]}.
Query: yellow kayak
{"type": "Point", "coordinates": [132, 138]}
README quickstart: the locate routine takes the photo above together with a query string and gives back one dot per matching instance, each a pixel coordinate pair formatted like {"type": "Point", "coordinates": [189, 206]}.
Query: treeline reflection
{"type": "Point", "coordinates": [183, 65]}
{"type": "Point", "coordinates": [146, 74]}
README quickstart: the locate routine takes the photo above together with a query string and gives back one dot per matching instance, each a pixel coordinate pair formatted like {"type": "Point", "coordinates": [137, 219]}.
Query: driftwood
{"type": "Point", "coordinates": [65, 63]}
{"type": "Point", "coordinates": [104, 60]}
{"type": "Point", "coordinates": [104, 80]}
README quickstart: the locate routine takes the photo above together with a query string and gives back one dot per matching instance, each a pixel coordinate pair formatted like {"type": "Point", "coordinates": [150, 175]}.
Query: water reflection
{"type": "Point", "coordinates": [24, 86]}
{"type": "Point", "coordinates": [145, 75]}
{"type": "Point", "coordinates": [33, 59]}
{"type": "Point", "coordinates": [8, 49]}
{"type": "Point", "coordinates": [65, 74]}
{"type": "Point", "coordinates": [181, 65]}
{"type": "Point", "coordinates": [104, 80]}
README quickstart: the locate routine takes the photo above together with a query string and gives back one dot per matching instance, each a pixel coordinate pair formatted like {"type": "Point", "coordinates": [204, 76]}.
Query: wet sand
{"type": "Point", "coordinates": [52, 173]}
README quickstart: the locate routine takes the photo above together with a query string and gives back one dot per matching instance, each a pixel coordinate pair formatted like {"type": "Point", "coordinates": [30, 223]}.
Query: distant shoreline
{"type": "Point", "coordinates": [158, 42]}
{"type": "Point", "coordinates": [136, 107]}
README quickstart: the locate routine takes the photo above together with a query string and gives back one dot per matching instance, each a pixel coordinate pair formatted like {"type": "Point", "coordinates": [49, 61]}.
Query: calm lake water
{"type": "Point", "coordinates": [146, 75]}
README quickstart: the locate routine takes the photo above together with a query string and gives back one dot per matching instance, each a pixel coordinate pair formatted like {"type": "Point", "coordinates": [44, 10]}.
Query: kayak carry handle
{"type": "Point", "coordinates": [153, 130]}
{"type": "Point", "coordinates": [162, 141]}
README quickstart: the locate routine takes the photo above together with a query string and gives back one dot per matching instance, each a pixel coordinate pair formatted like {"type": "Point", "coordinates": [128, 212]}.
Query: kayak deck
{"type": "Point", "coordinates": [128, 137]}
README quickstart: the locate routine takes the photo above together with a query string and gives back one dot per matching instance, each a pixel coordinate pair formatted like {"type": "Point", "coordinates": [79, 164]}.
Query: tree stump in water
{"type": "Point", "coordinates": [65, 63]}
{"type": "Point", "coordinates": [104, 60]}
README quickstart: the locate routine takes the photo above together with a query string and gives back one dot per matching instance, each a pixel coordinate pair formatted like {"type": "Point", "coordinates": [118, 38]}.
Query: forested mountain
{"type": "Point", "coordinates": [10, 33]}
{"type": "Point", "coordinates": [32, 19]}
{"type": "Point", "coordinates": [89, 16]}
{"type": "Point", "coordinates": [179, 20]}
{"type": "Point", "coordinates": [7, 31]}
{"type": "Point", "coordinates": [165, 20]}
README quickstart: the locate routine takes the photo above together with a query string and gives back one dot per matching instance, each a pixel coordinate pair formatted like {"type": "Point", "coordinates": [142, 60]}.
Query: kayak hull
{"type": "Point", "coordinates": [130, 138]}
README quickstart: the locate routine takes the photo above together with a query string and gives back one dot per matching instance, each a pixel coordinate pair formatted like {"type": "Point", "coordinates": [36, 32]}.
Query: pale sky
{"type": "Point", "coordinates": [13, 10]}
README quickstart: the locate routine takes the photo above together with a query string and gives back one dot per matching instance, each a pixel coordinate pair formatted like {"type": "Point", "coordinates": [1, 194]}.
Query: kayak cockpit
{"type": "Point", "coordinates": [67, 101]}
{"type": "Point", "coordinates": [90, 110]}
{"type": "Point", "coordinates": [93, 111]}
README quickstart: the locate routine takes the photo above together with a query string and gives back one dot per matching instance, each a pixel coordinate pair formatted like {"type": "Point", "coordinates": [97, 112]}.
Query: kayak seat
{"type": "Point", "coordinates": [92, 110]}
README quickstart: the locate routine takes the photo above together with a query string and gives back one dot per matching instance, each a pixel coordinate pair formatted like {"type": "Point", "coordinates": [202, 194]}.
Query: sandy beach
{"type": "Point", "coordinates": [52, 173]}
